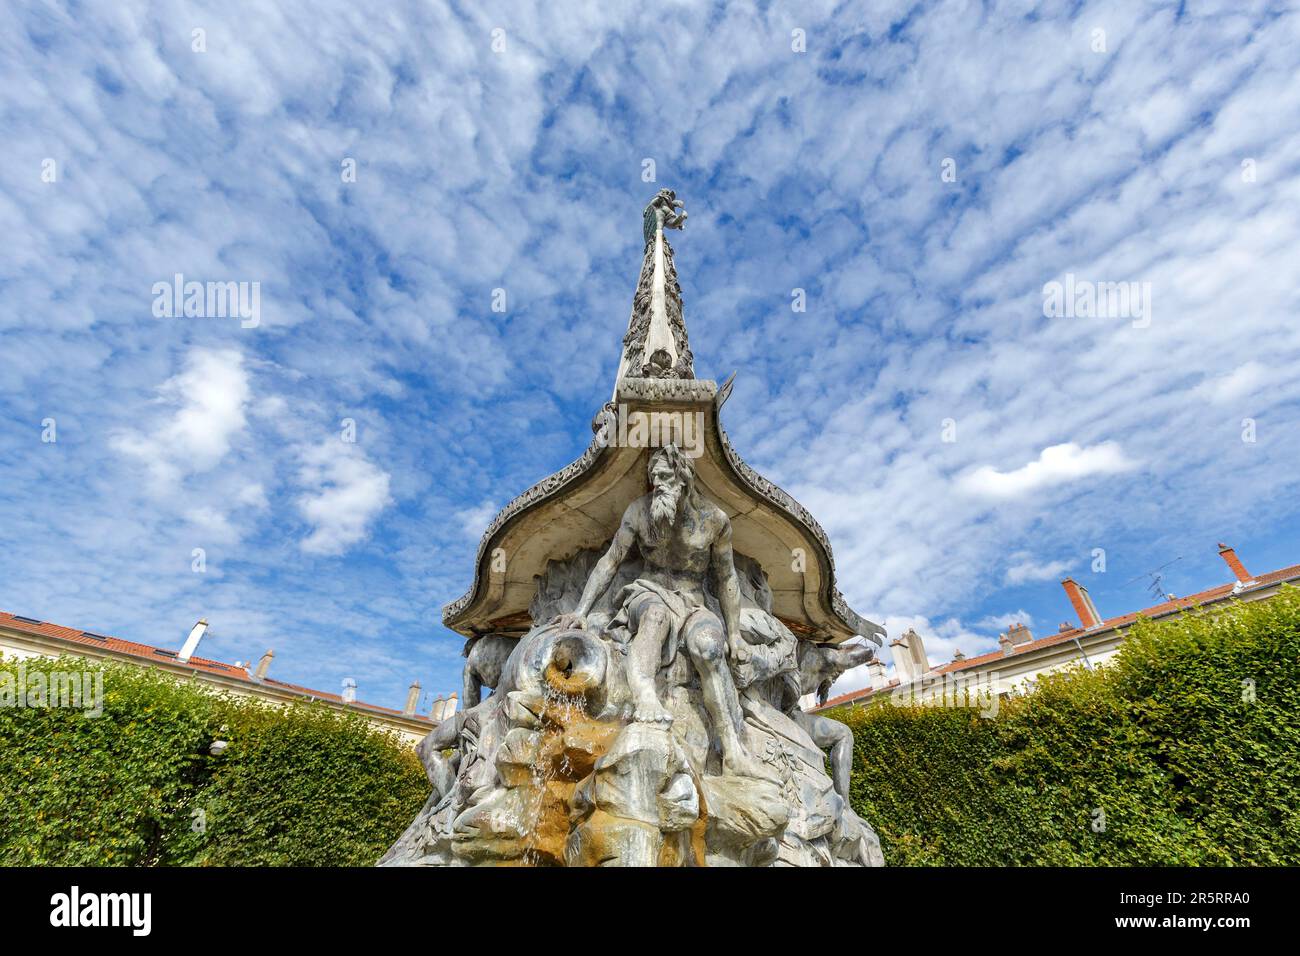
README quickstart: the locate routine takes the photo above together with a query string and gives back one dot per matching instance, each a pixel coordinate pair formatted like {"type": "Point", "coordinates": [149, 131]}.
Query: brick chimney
{"type": "Point", "coordinates": [263, 665]}
{"type": "Point", "coordinates": [1082, 601]}
{"type": "Point", "coordinates": [1234, 563]}
{"type": "Point", "coordinates": [412, 699]}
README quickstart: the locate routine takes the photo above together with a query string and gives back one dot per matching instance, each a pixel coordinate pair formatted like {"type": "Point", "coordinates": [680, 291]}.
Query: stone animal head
{"type": "Point", "coordinates": [821, 665]}
{"type": "Point", "coordinates": [851, 655]}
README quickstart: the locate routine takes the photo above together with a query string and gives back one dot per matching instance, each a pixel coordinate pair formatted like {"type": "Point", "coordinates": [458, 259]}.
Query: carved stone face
{"type": "Point", "coordinates": [662, 473]}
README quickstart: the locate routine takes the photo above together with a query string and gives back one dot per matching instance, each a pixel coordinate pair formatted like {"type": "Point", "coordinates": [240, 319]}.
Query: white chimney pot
{"type": "Point", "coordinates": [192, 642]}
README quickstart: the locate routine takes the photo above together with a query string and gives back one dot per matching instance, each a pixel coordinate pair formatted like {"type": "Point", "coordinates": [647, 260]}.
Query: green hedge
{"type": "Point", "coordinates": [1188, 763]}
{"type": "Point", "coordinates": [1182, 750]}
{"type": "Point", "coordinates": [137, 786]}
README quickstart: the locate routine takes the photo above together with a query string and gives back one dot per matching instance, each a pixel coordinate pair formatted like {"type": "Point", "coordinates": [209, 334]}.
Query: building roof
{"type": "Point", "coordinates": [1218, 593]}
{"type": "Point", "coordinates": [156, 655]}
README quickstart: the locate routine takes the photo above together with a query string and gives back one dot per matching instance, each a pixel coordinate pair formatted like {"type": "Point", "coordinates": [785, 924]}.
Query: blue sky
{"type": "Point", "coordinates": [514, 160]}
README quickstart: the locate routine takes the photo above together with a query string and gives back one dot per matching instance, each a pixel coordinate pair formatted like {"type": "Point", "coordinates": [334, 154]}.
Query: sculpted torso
{"type": "Point", "coordinates": [681, 560]}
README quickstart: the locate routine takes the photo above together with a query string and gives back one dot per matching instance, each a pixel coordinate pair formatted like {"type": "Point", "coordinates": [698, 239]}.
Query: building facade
{"type": "Point", "coordinates": [24, 637]}
{"type": "Point", "coordinates": [1021, 657]}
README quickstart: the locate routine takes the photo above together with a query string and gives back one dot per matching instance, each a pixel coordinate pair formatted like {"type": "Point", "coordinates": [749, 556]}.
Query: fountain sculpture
{"type": "Point", "coordinates": [648, 619]}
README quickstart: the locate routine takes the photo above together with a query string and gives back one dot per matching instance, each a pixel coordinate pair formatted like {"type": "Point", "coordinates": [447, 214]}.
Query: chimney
{"type": "Point", "coordinates": [452, 703]}
{"type": "Point", "coordinates": [1082, 601]}
{"type": "Point", "coordinates": [263, 665]}
{"type": "Point", "coordinates": [920, 661]}
{"type": "Point", "coordinates": [349, 690]}
{"type": "Point", "coordinates": [902, 659]}
{"type": "Point", "coordinates": [958, 656]}
{"type": "Point", "coordinates": [412, 698]}
{"type": "Point", "coordinates": [192, 642]}
{"type": "Point", "coordinates": [876, 671]}
{"type": "Point", "coordinates": [1065, 626]}
{"type": "Point", "coordinates": [1234, 563]}
{"type": "Point", "coordinates": [1019, 634]}
{"type": "Point", "coordinates": [438, 710]}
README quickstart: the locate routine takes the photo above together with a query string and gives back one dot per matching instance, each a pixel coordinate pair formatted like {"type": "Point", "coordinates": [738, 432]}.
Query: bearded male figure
{"type": "Point", "coordinates": [681, 536]}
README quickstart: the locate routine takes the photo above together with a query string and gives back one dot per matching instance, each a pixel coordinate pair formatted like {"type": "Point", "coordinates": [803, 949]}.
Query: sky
{"type": "Point", "coordinates": [313, 475]}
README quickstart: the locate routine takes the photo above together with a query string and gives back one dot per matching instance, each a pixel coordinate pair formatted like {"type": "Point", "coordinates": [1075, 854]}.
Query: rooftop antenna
{"type": "Point", "coordinates": [1156, 583]}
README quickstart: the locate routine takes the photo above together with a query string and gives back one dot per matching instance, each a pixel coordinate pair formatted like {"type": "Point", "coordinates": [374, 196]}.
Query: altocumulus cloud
{"type": "Point", "coordinates": [1030, 570]}
{"type": "Point", "coordinates": [521, 170]}
{"type": "Point", "coordinates": [204, 411]}
{"type": "Point", "coordinates": [345, 493]}
{"type": "Point", "coordinates": [1056, 465]}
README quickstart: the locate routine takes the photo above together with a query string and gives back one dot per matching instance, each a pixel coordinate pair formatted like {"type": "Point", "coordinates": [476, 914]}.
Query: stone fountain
{"type": "Point", "coordinates": [648, 619]}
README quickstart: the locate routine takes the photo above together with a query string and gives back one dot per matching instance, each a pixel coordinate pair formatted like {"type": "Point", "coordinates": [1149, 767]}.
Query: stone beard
{"type": "Point", "coordinates": [667, 494]}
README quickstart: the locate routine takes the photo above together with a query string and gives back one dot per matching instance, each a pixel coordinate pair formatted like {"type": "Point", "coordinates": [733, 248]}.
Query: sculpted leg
{"type": "Point", "coordinates": [835, 735]}
{"type": "Point", "coordinates": [841, 758]}
{"type": "Point", "coordinates": [471, 692]}
{"type": "Point", "coordinates": [643, 663]}
{"type": "Point", "coordinates": [708, 650]}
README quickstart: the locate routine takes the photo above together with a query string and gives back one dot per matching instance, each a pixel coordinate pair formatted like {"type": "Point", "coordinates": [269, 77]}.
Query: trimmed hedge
{"type": "Point", "coordinates": [137, 786]}
{"type": "Point", "coordinates": [1182, 750]}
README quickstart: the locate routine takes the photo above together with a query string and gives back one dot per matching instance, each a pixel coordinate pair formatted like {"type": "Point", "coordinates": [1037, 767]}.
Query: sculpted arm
{"type": "Point", "coordinates": [728, 588]}
{"type": "Point", "coordinates": [603, 573]}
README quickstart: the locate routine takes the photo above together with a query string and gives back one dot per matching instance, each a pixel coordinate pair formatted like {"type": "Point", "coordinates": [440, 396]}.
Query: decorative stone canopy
{"type": "Point", "coordinates": [581, 505]}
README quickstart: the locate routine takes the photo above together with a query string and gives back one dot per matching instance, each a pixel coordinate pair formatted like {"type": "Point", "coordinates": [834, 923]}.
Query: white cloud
{"type": "Point", "coordinates": [346, 493]}
{"type": "Point", "coordinates": [1000, 622]}
{"type": "Point", "coordinates": [473, 521]}
{"type": "Point", "coordinates": [1242, 382]}
{"type": "Point", "coordinates": [1056, 465]}
{"type": "Point", "coordinates": [212, 525]}
{"type": "Point", "coordinates": [206, 410]}
{"type": "Point", "coordinates": [1031, 570]}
